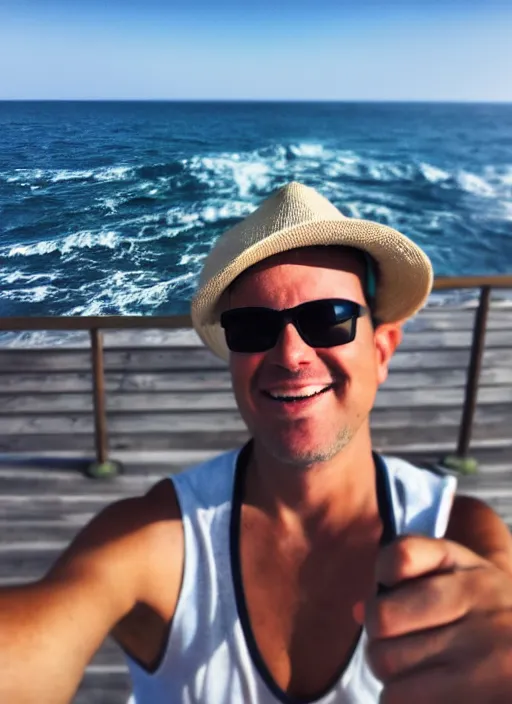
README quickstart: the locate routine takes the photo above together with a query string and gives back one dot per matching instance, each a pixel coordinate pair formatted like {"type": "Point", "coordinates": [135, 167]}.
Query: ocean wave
{"type": "Point", "coordinates": [501, 175]}
{"type": "Point", "coordinates": [370, 211]}
{"type": "Point", "coordinates": [127, 294]}
{"type": "Point", "coordinates": [37, 177]}
{"type": "Point", "coordinates": [65, 245]}
{"type": "Point", "coordinates": [477, 185]}
{"type": "Point", "coordinates": [226, 211]}
{"type": "Point", "coordinates": [12, 277]}
{"type": "Point", "coordinates": [433, 174]}
{"type": "Point", "coordinates": [194, 259]}
{"type": "Point", "coordinates": [309, 150]}
{"type": "Point", "coordinates": [113, 173]}
{"type": "Point", "coordinates": [252, 174]}
{"type": "Point", "coordinates": [36, 294]}
{"type": "Point", "coordinates": [248, 173]}
{"type": "Point", "coordinates": [109, 204]}
{"type": "Point", "coordinates": [507, 210]}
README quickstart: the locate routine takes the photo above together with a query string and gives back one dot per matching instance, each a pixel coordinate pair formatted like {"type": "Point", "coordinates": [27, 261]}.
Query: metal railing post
{"type": "Point", "coordinates": [475, 365]}
{"type": "Point", "coordinates": [102, 467]}
{"type": "Point", "coordinates": [461, 461]}
{"type": "Point", "coordinates": [98, 392]}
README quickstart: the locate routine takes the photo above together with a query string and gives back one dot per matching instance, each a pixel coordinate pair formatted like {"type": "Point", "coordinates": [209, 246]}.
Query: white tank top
{"type": "Point", "coordinates": [211, 656]}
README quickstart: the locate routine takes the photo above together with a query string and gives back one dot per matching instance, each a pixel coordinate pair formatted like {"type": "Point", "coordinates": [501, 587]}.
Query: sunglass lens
{"type": "Point", "coordinates": [327, 324]}
{"type": "Point", "coordinates": [250, 330]}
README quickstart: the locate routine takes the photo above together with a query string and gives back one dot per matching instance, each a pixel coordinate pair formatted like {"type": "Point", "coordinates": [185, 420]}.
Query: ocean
{"type": "Point", "coordinates": [108, 208]}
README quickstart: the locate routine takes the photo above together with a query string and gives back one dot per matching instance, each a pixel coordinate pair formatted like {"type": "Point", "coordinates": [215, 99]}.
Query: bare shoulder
{"type": "Point", "coordinates": [129, 554]}
{"type": "Point", "coordinates": [126, 541]}
{"type": "Point", "coordinates": [474, 524]}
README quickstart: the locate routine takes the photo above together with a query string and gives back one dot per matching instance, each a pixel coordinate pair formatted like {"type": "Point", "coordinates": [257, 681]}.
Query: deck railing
{"type": "Point", "coordinates": [96, 324]}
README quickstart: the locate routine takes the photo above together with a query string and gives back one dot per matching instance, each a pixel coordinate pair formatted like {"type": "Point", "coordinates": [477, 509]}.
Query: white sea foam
{"type": "Point", "coordinates": [13, 277]}
{"type": "Point", "coordinates": [499, 175]}
{"type": "Point", "coordinates": [28, 250]}
{"type": "Point", "coordinates": [471, 183]}
{"type": "Point", "coordinates": [23, 176]}
{"type": "Point", "coordinates": [371, 211]}
{"type": "Point", "coordinates": [358, 167]}
{"type": "Point", "coordinates": [232, 209]}
{"type": "Point", "coordinates": [507, 210]}
{"type": "Point", "coordinates": [68, 175]}
{"type": "Point", "coordinates": [248, 173]}
{"type": "Point", "coordinates": [113, 173]}
{"type": "Point", "coordinates": [110, 204]}
{"type": "Point", "coordinates": [251, 176]}
{"type": "Point", "coordinates": [129, 296]}
{"type": "Point", "coordinates": [433, 174]}
{"type": "Point", "coordinates": [506, 176]}
{"type": "Point", "coordinates": [314, 151]}
{"type": "Point", "coordinates": [177, 216]}
{"type": "Point", "coordinates": [34, 176]}
{"type": "Point", "coordinates": [195, 259]}
{"type": "Point", "coordinates": [36, 294]}
{"type": "Point", "coordinates": [78, 240]}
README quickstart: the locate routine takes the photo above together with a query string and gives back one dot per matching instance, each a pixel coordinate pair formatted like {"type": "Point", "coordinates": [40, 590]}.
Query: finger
{"type": "Point", "coordinates": [448, 645]}
{"type": "Point", "coordinates": [424, 687]}
{"type": "Point", "coordinates": [422, 604]}
{"type": "Point", "coordinates": [414, 556]}
{"type": "Point", "coordinates": [445, 685]}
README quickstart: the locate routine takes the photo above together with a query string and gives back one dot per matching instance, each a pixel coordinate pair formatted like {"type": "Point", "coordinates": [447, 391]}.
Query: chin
{"type": "Point", "coordinates": [302, 453]}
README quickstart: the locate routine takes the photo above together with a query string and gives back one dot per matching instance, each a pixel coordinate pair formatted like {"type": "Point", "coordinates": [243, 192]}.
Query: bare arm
{"type": "Point", "coordinates": [476, 526]}
{"type": "Point", "coordinates": [50, 630]}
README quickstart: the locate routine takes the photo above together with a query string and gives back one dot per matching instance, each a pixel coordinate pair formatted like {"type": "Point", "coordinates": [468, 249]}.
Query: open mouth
{"type": "Point", "coordinates": [283, 397]}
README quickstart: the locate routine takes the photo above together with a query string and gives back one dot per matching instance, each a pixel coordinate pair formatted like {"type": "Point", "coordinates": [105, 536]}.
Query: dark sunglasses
{"type": "Point", "coordinates": [324, 323]}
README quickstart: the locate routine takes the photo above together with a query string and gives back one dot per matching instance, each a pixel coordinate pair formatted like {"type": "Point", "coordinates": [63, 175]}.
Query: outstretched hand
{"type": "Point", "coordinates": [442, 630]}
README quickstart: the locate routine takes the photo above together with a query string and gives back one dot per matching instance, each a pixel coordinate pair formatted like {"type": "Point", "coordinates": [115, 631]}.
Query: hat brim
{"type": "Point", "coordinates": [405, 273]}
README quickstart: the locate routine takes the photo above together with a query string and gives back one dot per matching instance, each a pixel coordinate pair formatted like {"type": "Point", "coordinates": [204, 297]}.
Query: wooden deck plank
{"type": "Point", "coordinates": [406, 438]}
{"type": "Point", "coordinates": [152, 360]}
{"type": "Point", "coordinates": [62, 358]}
{"type": "Point", "coordinates": [433, 319]}
{"type": "Point", "coordinates": [29, 560]}
{"type": "Point", "coordinates": [42, 383]}
{"type": "Point", "coordinates": [108, 688]}
{"type": "Point", "coordinates": [175, 421]}
{"type": "Point", "coordinates": [29, 405]}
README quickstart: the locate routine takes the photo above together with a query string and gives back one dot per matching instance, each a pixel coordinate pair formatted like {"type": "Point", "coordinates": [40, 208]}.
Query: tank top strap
{"type": "Point", "coordinates": [421, 497]}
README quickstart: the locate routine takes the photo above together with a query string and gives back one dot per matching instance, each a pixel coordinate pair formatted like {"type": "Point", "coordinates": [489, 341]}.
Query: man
{"type": "Point", "coordinates": [283, 572]}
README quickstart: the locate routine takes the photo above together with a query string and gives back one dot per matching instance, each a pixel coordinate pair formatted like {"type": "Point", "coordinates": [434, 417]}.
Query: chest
{"type": "Point", "coordinates": [297, 602]}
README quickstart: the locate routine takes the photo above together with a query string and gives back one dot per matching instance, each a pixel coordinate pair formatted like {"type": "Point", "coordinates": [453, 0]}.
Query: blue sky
{"type": "Point", "coordinates": [265, 49]}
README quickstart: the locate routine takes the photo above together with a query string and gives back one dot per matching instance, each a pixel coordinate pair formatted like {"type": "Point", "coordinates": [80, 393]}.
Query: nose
{"type": "Point", "coordinates": [290, 350]}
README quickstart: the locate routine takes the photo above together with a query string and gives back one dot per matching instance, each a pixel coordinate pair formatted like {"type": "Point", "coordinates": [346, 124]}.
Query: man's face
{"type": "Point", "coordinates": [337, 385]}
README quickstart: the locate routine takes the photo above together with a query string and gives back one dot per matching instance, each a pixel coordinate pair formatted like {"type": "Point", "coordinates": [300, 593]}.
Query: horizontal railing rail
{"type": "Point", "coordinates": [96, 324]}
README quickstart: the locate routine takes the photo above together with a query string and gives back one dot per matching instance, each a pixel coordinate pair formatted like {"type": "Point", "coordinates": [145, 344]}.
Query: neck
{"type": "Point", "coordinates": [332, 495]}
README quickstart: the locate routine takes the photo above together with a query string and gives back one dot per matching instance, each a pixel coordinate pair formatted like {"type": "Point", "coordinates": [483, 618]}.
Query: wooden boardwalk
{"type": "Point", "coordinates": [170, 405]}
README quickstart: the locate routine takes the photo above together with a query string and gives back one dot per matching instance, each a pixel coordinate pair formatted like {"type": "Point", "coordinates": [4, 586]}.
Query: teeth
{"type": "Point", "coordinates": [305, 392]}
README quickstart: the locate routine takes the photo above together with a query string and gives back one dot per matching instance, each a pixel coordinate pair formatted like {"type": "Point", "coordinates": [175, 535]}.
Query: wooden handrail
{"type": "Point", "coordinates": [94, 324]}
{"type": "Point", "coordinates": [500, 281]}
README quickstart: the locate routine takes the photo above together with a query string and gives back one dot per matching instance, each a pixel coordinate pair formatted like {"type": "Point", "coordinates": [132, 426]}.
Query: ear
{"type": "Point", "coordinates": [387, 338]}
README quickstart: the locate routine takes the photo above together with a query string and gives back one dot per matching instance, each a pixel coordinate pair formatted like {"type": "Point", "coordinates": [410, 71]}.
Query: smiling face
{"type": "Point", "coordinates": [304, 405]}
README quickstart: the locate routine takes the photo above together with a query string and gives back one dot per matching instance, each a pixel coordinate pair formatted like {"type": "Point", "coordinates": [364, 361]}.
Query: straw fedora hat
{"type": "Point", "coordinates": [298, 216]}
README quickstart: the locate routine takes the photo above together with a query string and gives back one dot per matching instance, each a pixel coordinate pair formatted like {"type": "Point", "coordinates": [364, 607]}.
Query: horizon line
{"type": "Point", "coordinates": [438, 101]}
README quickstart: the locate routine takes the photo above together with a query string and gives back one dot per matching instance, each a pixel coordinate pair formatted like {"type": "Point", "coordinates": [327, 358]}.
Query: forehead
{"type": "Point", "coordinates": [302, 274]}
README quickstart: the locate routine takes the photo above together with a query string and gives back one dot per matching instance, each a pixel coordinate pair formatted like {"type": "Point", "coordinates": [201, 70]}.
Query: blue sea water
{"type": "Point", "coordinates": [109, 208]}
